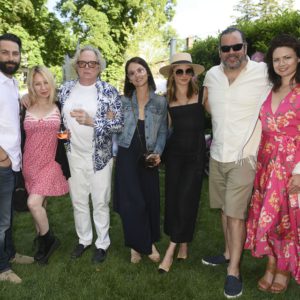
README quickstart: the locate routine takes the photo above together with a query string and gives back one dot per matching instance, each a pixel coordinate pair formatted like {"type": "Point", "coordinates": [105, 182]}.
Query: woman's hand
{"type": "Point", "coordinates": [294, 184]}
{"type": "Point", "coordinates": [154, 158]}
{"type": "Point", "coordinates": [82, 117]}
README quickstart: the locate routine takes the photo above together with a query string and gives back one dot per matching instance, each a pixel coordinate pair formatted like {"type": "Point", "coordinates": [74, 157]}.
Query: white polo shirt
{"type": "Point", "coordinates": [235, 109]}
{"type": "Point", "coordinates": [10, 136]}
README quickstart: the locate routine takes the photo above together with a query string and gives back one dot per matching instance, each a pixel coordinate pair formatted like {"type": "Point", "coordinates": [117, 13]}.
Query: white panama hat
{"type": "Point", "coordinates": [180, 59]}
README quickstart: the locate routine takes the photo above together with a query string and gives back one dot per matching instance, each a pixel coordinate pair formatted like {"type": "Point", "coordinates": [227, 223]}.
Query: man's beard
{"type": "Point", "coordinates": [238, 63]}
{"type": "Point", "coordinates": [9, 70]}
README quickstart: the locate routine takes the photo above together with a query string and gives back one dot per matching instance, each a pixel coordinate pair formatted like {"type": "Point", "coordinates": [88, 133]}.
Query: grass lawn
{"type": "Point", "coordinates": [117, 278]}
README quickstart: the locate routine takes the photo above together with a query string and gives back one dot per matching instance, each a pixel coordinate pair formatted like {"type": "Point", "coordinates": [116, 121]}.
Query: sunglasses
{"type": "Point", "coordinates": [138, 71]}
{"type": "Point", "coordinates": [235, 47]}
{"type": "Point", "coordinates": [180, 72]}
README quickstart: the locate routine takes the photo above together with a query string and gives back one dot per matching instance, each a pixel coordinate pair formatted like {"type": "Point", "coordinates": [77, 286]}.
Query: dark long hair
{"type": "Point", "coordinates": [282, 40]}
{"type": "Point", "coordinates": [128, 86]}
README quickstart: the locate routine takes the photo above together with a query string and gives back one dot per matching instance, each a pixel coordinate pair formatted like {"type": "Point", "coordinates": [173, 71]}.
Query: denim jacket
{"type": "Point", "coordinates": [155, 122]}
{"type": "Point", "coordinates": [108, 99]}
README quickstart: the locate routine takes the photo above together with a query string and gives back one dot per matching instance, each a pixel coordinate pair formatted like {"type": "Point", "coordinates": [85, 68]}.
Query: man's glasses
{"type": "Point", "coordinates": [83, 64]}
{"type": "Point", "coordinates": [235, 47]}
{"type": "Point", "coordinates": [180, 72]}
{"type": "Point", "coordinates": [138, 71]}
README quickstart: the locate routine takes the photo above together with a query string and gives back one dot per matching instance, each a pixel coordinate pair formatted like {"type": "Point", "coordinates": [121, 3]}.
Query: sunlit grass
{"type": "Point", "coordinates": [116, 278]}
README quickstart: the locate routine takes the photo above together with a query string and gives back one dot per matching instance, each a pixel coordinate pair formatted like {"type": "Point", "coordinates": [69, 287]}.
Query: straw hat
{"type": "Point", "coordinates": [180, 59]}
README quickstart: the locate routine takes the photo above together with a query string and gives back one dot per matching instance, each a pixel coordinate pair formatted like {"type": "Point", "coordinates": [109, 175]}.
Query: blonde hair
{"type": "Point", "coordinates": [171, 87]}
{"type": "Point", "coordinates": [47, 75]}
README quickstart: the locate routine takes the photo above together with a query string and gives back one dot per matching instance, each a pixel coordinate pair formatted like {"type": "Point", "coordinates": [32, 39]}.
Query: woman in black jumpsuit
{"type": "Point", "coordinates": [185, 156]}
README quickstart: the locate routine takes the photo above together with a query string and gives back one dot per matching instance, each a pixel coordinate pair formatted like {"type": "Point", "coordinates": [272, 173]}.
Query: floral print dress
{"type": "Point", "coordinates": [273, 225]}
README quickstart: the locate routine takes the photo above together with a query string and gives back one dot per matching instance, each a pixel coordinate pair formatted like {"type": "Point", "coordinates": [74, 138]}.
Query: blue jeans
{"type": "Point", "coordinates": [7, 251]}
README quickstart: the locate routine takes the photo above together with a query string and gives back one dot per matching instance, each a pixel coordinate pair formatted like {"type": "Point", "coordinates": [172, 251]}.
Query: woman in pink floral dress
{"type": "Point", "coordinates": [273, 225]}
{"type": "Point", "coordinates": [42, 174]}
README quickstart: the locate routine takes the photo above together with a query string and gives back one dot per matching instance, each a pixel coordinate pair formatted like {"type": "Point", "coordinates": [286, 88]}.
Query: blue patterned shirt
{"type": "Point", "coordinates": [108, 99]}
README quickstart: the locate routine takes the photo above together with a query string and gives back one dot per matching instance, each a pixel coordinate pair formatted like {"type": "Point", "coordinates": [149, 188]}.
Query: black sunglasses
{"type": "Point", "coordinates": [180, 72]}
{"type": "Point", "coordinates": [235, 47]}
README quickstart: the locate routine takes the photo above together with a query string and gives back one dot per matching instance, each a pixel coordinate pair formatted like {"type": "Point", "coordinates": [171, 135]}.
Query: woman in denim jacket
{"type": "Point", "coordinates": [140, 144]}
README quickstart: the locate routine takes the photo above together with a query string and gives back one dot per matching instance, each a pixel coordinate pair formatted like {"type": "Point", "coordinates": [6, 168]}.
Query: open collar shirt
{"type": "Point", "coordinates": [10, 136]}
{"type": "Point", "coordinates": [108, 99]}
{"type": "Point", "coordinates": [234, 109]}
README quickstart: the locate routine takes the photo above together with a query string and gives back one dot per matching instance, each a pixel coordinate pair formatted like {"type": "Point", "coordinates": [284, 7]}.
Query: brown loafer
{"type": "Point", "coordinates": [10, 276]}
{"type": "Point", "coordinates": [22, 259]}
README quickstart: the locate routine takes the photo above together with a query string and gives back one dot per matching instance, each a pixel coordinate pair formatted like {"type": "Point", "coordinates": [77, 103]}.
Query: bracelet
{"type": "Point", "coordinates": [4, 158]}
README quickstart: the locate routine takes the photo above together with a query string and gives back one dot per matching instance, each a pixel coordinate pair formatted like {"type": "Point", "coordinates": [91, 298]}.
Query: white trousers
{"type": "Point", "coordinates": [84, 182]}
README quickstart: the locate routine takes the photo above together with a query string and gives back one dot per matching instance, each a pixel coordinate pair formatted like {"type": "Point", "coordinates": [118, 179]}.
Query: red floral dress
{"type": "Point", "coordinates": [42, 174]}
{"type": "Point", "coordinates": [273, 225]}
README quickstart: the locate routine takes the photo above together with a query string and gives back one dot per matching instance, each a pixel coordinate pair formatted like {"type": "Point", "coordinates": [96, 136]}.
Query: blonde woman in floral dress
{"type": "Point", "coordinates": [273, 225]}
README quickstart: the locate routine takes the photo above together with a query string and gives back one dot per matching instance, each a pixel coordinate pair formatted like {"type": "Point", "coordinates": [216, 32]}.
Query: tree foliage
{"type": "Point", "coordinates": [45, 39]}
{"type": "Point", "coordinates": [205, 52]}
{"type": "Point", "coordinates": [261, 9]}
{"type": "Point", "coordinates": [116, 27]}
{"type": "Point", "coordinates": [260, 32]}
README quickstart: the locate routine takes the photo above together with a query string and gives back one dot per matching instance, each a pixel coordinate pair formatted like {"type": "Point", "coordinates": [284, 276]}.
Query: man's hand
{"type": "Point", "coordinates": [4, 158]}
{"type": "Point", "coordinates": [25, 101]}
{"type": "Point", "coordinates": [110, 115]}
{"type": "Point", "coordinates": [82, 117]}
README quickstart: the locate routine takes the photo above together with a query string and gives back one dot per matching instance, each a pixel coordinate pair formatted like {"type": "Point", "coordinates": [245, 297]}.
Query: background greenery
{"type": "Point", "coordinates": [122, 29]}
{"type": "Point", "coordinates": [117, 278]}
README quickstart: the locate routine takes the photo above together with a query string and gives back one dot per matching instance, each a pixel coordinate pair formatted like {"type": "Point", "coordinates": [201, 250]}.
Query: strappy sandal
{"type": "Point", "coordinates": [277, 287]}
{"type": "Point", "coordinates": [263, 285]}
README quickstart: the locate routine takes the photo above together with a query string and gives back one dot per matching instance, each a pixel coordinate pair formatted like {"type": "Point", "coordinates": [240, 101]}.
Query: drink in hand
{"type": "Point", "coordinates": [62, 134]}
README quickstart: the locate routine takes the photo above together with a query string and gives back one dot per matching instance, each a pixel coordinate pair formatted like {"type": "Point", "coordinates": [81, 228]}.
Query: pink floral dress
{"type": "Point", "coordinates": [273, 225]}
{"type": "Point", "coordinates": [42, 174]}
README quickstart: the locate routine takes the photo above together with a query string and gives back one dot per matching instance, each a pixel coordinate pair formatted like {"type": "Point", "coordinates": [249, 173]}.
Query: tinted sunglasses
{"type": "Point", "coordinates": [235, 47]}
{"type": "Point", "coordinates": [180, 72]}
{"type": "Point", "coordinates": [90, 64]}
